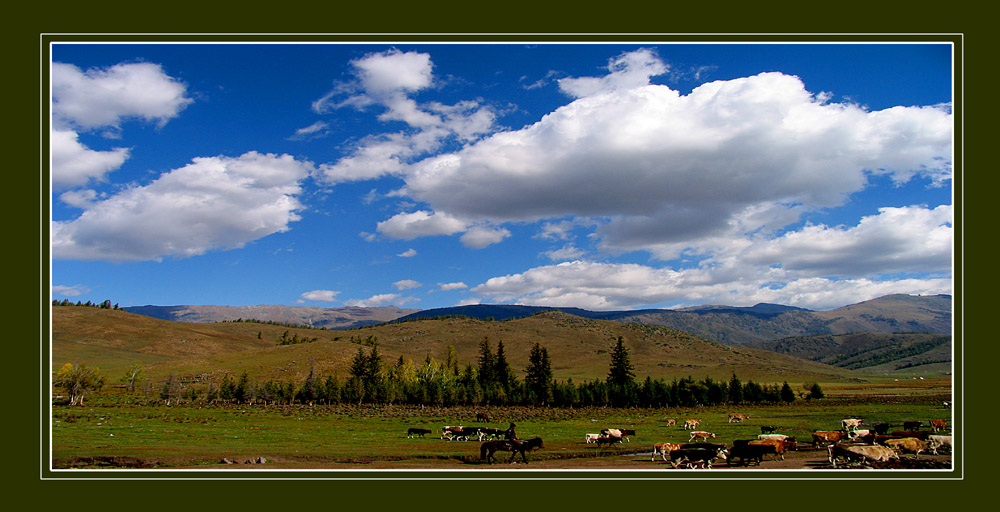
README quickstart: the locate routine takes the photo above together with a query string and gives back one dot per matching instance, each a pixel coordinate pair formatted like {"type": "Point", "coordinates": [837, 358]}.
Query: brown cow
{"type": "Point", "coordinates": [780, 446]}
{"type": "Point", "coordinates": [827, 436]}
{"type": "Point", "coordinates": [691, 424]}
{"type": "Point", "coordinates": [608, 440]}
{"type": "Point", "coordinates": [738, 418]}
{"type": "Point", "coordinates": [908, 445]}
{"type": "Point", "coordinates": [912, 425]}
{"type": "Point", "coordinates": [700, 435]}
{"type": "Point", "coordinates": [938, 425]}
{"type": "Point", "coordinates": [663, 450]}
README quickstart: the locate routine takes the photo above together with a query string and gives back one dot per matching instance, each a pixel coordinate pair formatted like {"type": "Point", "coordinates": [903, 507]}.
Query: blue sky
{"type": "Point", "coordinates": [600, 176]}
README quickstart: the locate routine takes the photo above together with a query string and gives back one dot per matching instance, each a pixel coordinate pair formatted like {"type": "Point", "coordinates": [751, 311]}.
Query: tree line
{"type": "Point", "coordinates": [490, 380]}
{"type": "Point", "coordinates": [101, 305]}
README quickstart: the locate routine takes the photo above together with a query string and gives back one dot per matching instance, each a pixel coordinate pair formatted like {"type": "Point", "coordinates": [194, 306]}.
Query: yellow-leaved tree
{"type": "Point", "coordinates": [77, 379]}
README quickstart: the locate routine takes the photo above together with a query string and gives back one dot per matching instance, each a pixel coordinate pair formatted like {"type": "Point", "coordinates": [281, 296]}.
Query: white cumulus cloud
{"type": "Point", "coordinates": [212, 203]}
{"type": "Point", "coordinates": [103, 97]}
{"type": "Point", "coordinates": [73, 164]}
{"type": "Point", "coordinates": [815, 267]}
{"type": "Point", "coordinates": [407, 226]}
{"type": "Point", "coordinates": [70, 291]}
{"type": "Point", "coordinates": [320, 295]}
{"type": "Point", "coordinates": [377, 300]}
{"type": "Point", "coordinates": [480, 237]}
{"type": "Point", "coordinates": [407, 284]}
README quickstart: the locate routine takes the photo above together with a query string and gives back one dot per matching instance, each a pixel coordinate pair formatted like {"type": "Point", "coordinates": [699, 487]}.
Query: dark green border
{"type": "Point", "coordinates": [868, 22]}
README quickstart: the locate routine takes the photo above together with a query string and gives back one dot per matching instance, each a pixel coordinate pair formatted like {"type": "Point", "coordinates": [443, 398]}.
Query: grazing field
{"type": "Point", "coordinates": [111, 432]}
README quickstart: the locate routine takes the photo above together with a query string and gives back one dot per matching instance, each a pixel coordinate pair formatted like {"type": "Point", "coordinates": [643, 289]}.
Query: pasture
{"type": "Point", "coordinates": [110, 432]}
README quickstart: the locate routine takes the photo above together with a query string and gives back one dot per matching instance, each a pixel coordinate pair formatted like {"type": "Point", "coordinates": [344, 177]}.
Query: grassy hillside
{"type": "Point", "coordinates": [892, 313]}
{"type": "Point", "coordinates": [579, 348]}
{"type": "Point", "coordinates": [871, 352]}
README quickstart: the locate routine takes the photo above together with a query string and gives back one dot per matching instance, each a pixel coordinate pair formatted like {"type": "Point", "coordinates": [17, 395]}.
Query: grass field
{"type": "Point", "coordinates": [109, 431]}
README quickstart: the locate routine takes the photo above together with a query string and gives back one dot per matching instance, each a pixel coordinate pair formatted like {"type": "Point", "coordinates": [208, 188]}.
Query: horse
{"type": "Point", "coordinates": [515, 446]}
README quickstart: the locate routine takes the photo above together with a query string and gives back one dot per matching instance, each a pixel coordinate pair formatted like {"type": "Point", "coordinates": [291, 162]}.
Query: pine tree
{"type": "Point", "coordinates": [620, 372]}
{"type": "Point", "coordinates": [539, 375]}
{"type": "Point", "coordinates": [815, 391]}
{"type": "Point", "coordinates": [487, 364]}
{"type": "Point", "coordinates": [621, 379]}
{"type": "Point", "coordinates": [787, 394]}
{"type": "Point", "coordinates": [735, 390]}
{"type": "Point", "coordinates": [502, 371]}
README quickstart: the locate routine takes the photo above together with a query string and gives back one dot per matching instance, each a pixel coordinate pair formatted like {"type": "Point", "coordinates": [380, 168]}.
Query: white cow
{"type": "Point", "coordinates": [591, 438]}
{"type": "Point", "coordinates": [854, 434]}
{"type": "Point", "coordinates": [936, 442]}
{"type": "Point", "coordinates": [850, 424]}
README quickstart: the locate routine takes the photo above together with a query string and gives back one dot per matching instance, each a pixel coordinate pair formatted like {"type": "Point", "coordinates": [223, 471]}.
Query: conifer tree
{"type": "Point", "coordinates": [539, 375]}
{"type": "Point", "coordinates": [787, 394]}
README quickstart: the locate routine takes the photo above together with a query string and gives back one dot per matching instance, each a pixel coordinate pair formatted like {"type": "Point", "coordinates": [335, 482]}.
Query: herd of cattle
{"type": "Point", "coordinates": [851, 445]}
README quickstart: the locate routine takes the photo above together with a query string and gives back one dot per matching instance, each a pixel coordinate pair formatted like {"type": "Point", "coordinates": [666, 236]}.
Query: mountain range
{"type": "Point", "coordinates": [731, 325]}
{"type": "Point", "coordinates": [892, 335]}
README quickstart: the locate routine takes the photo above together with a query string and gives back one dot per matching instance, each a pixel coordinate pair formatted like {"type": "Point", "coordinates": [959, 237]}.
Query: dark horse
{"type": "Point", "coordinates": [514, 446]}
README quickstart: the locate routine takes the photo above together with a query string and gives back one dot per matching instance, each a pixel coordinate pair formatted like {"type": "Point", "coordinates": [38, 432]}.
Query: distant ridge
{"type": "Point", "coordinates": [736, 325]}
{"type": "Point", "coordinates": [733, 325]}
{"type": "Point", "coordinates": [328, 318]}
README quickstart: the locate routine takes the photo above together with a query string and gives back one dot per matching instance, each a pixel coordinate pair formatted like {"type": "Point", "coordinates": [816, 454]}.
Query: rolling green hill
{"type": "Point", "coordinates": [871, 352]}
{"type": "Point", "coordinates": [578, 347]}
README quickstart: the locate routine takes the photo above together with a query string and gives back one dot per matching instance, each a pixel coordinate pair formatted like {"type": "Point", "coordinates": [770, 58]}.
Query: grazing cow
{"type": "Point", "coordinates": [623, 433]}
{"type": "Point", "coordinates": [671, 423]}
{"type": "Point", "coordinates": [946, 404]}
{"type": "Point", "coordinates": [608, 440]}
{"type": "Point", "coordinates": [491, 433]}
{"type": "Point", "coordinates": [748, 453]}
{"type": "Point", "coordinates": [700, 435]}
{"type": "Point", "coordinates": [935, 442]}
{"type": "Point", "coordinates": [591, 438]}
{"type": "Point", "coordinates": [693, 458]}
{"type": "Point", "coordinates": [450, 430]}
{"type": "Point", "coordinates": [826, 436]}
{"type": "Point", "coordinates": [691, 424]}
{"type": "Point", "coordinates": [462, 433]}
{"type": "Point", "coordinates": [767, 429]}
{"type": "Point", "coordinates": [738, 418]}
{"type": "Point", "coordinates": [938, 425]}
{"type": "Point", "coordinates": [881, 428]}
{"type": "Point", "coordinates": [862, 454]}
{"type": "Point", "coordinates": [417, 432]}
{"type": "Point", "coordinates": [912, 425]}
{"type": "Point", "coordinates": [663, 450]}
{"type": "Point", "coordinates": [908, 445]}
{"type": "Point", "coordinates": [850, 424]}
{"type": "Point", "coordinates": [880, 439]}
{"type": "Point", "coordinates": [482, 417]}
{"type": "Point", "coordinates": [919, 434]}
